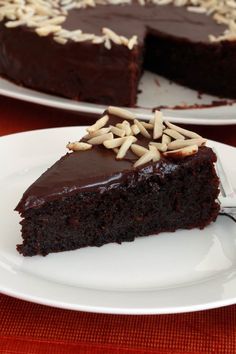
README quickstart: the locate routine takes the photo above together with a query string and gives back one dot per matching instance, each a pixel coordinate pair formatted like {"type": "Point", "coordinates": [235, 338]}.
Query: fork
{"type": "Point", "coordinates": [227, 197]}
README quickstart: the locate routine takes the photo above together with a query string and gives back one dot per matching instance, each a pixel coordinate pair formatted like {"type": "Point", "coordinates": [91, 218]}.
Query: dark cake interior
{"type": "Point", "coordinates": [88, 198]}
{"type": "Point", "coordinates": [172, 42]}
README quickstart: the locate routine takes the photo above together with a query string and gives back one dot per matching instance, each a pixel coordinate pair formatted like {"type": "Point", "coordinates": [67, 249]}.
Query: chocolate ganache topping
{"type": "Point", "coordinates": [97, 169]}
{"type": "Point", "coordinates": [131, 19]}
{"type": "Point", "coordinates": [122, 22]}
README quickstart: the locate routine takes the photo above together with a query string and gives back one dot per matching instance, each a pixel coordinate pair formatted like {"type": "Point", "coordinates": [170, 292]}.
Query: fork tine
{"type": "Point", "coordinates": [226, 186]}
{"type": "Point", "coordinates": [230, 212]}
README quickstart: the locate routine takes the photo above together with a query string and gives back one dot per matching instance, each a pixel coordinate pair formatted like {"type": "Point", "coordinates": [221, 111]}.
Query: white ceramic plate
{"type": "Point", "coordinates": [169, 273]}
{"type": "Point", "coordinates": [155, 91]}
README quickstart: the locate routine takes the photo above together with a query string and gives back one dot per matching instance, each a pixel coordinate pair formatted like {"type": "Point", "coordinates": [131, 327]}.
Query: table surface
{"type": "Point", "coordinates": [31, 328]}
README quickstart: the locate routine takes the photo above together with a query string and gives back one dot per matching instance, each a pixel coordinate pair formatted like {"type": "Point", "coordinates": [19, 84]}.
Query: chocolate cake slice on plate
{"type": "Point", "coordinates": [126, 178]}
{"type": "Point", "coordinates": [67, 48]}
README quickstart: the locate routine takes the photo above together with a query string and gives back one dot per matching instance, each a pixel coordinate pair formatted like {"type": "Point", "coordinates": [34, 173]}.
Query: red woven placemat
{"type": "Point", "coordinates": [31, 328]}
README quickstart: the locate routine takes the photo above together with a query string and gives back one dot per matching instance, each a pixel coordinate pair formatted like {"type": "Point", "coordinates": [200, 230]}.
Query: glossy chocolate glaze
{"type": "Point", "coordinates": [133, 19]}
{"type": "Point", "coordinates": [97, 170]}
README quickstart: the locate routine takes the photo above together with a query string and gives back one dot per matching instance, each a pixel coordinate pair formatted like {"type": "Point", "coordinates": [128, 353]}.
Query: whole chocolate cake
{"type": "Point", "coordinates": [125, 178]}
{"type": "Point", "coordinates": [96, 50]}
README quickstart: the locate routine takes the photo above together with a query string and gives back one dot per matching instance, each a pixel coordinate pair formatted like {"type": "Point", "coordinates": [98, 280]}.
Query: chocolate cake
{"type": "Point", "coordinates": [125, 178]}
{"type": "Point", "coordinates": [70, 47]}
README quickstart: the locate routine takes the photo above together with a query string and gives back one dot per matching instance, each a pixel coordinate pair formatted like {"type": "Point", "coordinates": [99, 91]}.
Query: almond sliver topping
{"type": "Point", "coordinates": [166, 139]}
{"type": "Point", "coordinates": [135, 129]}
{"type": "Point", "coordinates": [127, 128]}
{"type": "Point", "coordinates": [158, 125]}
{"type": "Point", "coordinates": [45, 31]}
{"type": "Point", "coordinates": [147, 125]}
{"type": "Point", "coordinates": [117, 131]}
{"type": "Point", "coordinates": [125, 147]}
{"type": "Point", "coordinates": [60, 40]}
{"type": "Point", "coordinates": [98, 125]}
{"type": "Point", "coordinates": [121, 112]}
{"type": "Point", "coordinates": [78, 146]}
{"type": "Point", "coordinates": [172, 143]}
{"type": "Point", "coordinates": [132, 42]}
{"type": "Point", "coordinates": [179, 153]}
{"type": "Point", "coordinates": [143, 130]}
{"type": "Point", "coordinates": [147, 157]}
{"type": "Point", "coordinates": [156, 153]}
{"type": "Point", "coordinates": [111, 35]}
{"type": "Point", "coordinates": [185, 132]}
{"type": "Point", "coordinates": [178, 144]}
{"type": "Point", "coordinates": [160, 146]}
{"type": "Point", "coordinates": [114, 143]}
{"type": "Point", "coordinates": [138, 150]}
{"type": "Point", "coordinates": [97, 133]}
{"type": "Point", "coordinates": [100, 139]}
{"type": "Point", "coordinates": [124, 40]}
{"type": "Point", "coordinates": [174, 134]}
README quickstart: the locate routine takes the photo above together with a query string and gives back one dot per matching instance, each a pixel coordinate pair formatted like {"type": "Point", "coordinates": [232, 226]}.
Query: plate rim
{"type": "Point", "coordinates": [121, 310]}
{"type": "Point", "coordinates": [108, 309]}
{"type": "Point", "coordinates": [41, 98]}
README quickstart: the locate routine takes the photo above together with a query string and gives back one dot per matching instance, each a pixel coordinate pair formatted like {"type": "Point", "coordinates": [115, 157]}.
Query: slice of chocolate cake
{"type": "Point", "coordinates": [67, 48]}
{"type": "Point", "coordinates": [125, 178]}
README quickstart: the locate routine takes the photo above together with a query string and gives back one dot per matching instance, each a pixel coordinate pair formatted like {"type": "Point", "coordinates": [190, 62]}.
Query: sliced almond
{"type": "Point", "coordinates": [107, 43]}
{"type": "Point", "coordinates": [161, 147]}
{"type": "Point", "coordinates": [111, 35]}
{"type": "Point", "coordinates": [132, 42]}
{"type": "Point", "coordinates": [60, 40]}
{"type": "Point", "coordinates": [143, 130]}
{"type": "Point", "coordinates": [179, 144]}
{"type": "Point", "coordinates": [174, 134]}
{"type": "Point", "coordinates": [135, 129]}
{"type": "Point", "coordinates": [121, 112]}
{"type": "Point", "coordinates": [185, 132]}
{"type": "Point", "coordinates": [98, 125]}
{"type": "Point", "coordinates": [46, 30]}
{"type": "Point", "coordinates": [156, 153]}
{"type": "Point", "coordinates": [78, 146]}
{"type": "Point", "coordinates": [158, 125]}
{"type": "Point", "coordinates": [100, 139]}
{"type": "Point", "coordinates": [113, 143]}
{"type": "Point", "coordinates": [180, 153]}
{"type": "Point", "coordinates": [166, 139]}
{"type": "Point", "coordinates": [117, 131]}
{"type": "Point", "coordinates": [142, 2]}
{"type": "Point", "coordinates": [127, 128]}
{"type": "Point", "coordinates": [58, 20]}
{"type": "Point", "coordinates": [125, 147]}
{"type": "Point", "coordinates": [147, 125]}
{"type": "Point", "coordinates": [138, 150]}
{"type": "Point", "coordinates": [147, 157]}
{"type": "Point", "coordinates": [97, 133]}
{"type": "Point", "coordinates": [98, 40]}
{"type": "Point", "coordinates": [124, 40]}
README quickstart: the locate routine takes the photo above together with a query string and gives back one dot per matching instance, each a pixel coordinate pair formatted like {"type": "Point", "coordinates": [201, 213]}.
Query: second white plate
{"type": "Point", "coordinates": [155, 91]}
